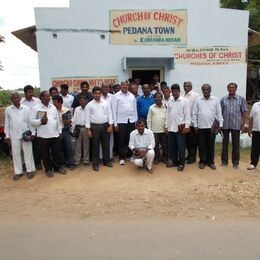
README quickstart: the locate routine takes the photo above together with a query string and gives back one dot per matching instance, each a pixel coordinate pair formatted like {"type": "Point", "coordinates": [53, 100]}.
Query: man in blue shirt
{"type": "Point", "coordinates": [144, 102]}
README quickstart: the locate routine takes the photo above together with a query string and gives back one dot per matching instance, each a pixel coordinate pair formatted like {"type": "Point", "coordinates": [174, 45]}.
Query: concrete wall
{"type": "Point", "coordinates": [86, 54]}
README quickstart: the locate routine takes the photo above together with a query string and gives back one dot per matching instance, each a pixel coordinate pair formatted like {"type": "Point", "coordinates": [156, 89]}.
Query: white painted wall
{"type": "Point", "coordinates": [86, 54]}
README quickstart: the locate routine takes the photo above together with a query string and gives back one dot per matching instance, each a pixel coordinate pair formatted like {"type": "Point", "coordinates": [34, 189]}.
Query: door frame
{"type": "Point", "coordinates": [161, 69]}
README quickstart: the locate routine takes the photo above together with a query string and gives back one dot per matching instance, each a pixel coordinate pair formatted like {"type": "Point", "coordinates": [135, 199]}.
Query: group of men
{"type": "Point", "coordinates": [146, 124]}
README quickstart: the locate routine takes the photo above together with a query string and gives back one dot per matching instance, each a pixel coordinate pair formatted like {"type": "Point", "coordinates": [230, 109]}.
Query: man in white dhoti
{"type": "Point", "coordinates": [142, 144]}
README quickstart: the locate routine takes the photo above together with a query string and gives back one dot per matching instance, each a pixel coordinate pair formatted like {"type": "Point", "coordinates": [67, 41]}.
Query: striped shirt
{"type": "Point", "coordinates": [233, 108]}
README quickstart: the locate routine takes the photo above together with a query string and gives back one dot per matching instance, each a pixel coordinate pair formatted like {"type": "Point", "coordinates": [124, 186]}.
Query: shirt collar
{"type": "Point", "coordinates": [235, 96]}
{"type": "Point", "coordinates": [162, 106]}
{"type": "Point", "coordinates": [49, 105]}
{"type": "Point", "coordinates": [178, 99]}
{"type": "Point", "coordinates": [98, 102]}
{"type": "Point", "coordinates": [145, 132]}
{"type": "Point", "coordinates": [125, 94]}
{"type": "Point", "coordinates": [188, 94]}
{"type": "Point", "coordinates": [143, 96]}
{"type": "Point", "coordinates": [29, 100]}
{"type": "Point", "coordinates": [210, 97]}
{"type": "Point", "coordinates": [14, 107]}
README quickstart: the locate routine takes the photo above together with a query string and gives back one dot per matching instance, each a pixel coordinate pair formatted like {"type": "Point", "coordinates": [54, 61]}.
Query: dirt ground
{"type": "Point", "coordinates": [129, 191]}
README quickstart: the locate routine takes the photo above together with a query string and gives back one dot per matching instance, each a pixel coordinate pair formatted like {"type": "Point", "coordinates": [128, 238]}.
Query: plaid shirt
{"type": "Point", "coordinates": [232, 110]}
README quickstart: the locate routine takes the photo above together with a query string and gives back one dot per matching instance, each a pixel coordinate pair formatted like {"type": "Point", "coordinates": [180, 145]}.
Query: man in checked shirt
{"type": "Point", "coordinates": [234, 109]}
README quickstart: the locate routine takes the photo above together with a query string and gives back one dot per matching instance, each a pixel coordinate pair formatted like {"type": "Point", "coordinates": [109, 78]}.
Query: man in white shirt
{"type": "Point", "coordinates": [109, 98]}
{"type": "Point", "coordinates": [142, 144]}
{"type": "Point", "coordinates": [254, 131]}
{"type": "Point", "coordinates": [192, 136]}
{"type": "Point", "coordinates": [45, 118]}
{"type": "Point", "coordinates": [99, 125]}
{"type": "Point", "coordinates": [17, 123]}
{"type": "Point", "coordinates": [124, 115]}
{"type": "Point", "coordinates": [156, 123]}
{"type": "Point", "coordinates": [134, 90]}
{"type": "Point", "coordinates": [82, 144]}
{"type": "Point", "coordinates": [167, 96]}
{"type": "Point", "coordinates": [65, 116]}
{"type": "Point", "coordinates": [163, 85]}
{"type": "Point", "coordinates": [137, 82]}
{"type": "Point", "coordinates": [177, 124]}
{"type": "Point", "coordinates": [66, 97]}
{"type": "Point", "coordinates": [53, 91]}
{"type": "Point", "coordinates": [30, 101]}
{"type": "Point", "coordinates": [207, 120]}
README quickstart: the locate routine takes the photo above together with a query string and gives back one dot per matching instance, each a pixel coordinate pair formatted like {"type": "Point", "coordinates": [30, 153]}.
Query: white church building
{"type": "Point", "coordinates": [110, 41]}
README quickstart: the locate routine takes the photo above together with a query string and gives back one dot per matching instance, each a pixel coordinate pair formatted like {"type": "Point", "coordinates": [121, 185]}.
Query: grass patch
{"type": "Point", "coordinates": [244, 152]}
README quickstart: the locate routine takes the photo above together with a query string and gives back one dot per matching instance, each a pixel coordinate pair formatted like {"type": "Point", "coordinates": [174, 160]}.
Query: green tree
{"type": "Point", "coordinates": [2, 39]}
{"type": "Point", "coordinates": [37, 91]}
{"type": "Point", "coordinates": [5, 97]}
{"type": "Point", "coordinates": [254, 18]}
{"type": "Point", "coordinates": [234, 4]}
{"type": "Point", "coordinates": [253, 6]}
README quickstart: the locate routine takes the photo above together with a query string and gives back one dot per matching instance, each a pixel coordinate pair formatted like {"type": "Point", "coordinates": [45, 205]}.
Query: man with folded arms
{"type": "Point", "coordinates": [99, 125]}
{"type": "Point", "coordinates": [207, 120]}
{"type": "Point", "coordinates": [142, 144]}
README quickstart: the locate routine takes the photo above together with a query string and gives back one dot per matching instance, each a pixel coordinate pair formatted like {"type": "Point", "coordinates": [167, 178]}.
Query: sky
{"type": "Point", "coordinates": [20, 62]}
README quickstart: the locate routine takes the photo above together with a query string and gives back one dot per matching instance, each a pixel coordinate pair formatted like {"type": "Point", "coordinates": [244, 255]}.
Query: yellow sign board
{"type": "Point", "coordinates": [210, 55]}
{"type": "Point", "coordinates": [74, 82]}
{"type": "Point", "coordinates": [144, 27]}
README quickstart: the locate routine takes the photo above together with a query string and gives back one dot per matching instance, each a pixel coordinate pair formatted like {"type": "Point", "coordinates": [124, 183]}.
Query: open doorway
{"type": "Point", "coordinates": [145, 75]}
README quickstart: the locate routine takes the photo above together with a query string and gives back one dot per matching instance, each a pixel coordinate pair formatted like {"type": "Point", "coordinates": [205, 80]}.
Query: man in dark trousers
{"type": "Point", "coordinates": [99, 125]}
{"type": "Point", "coordinates": [234, 109]}
{"type": "Point", "coordinates": [124, 116]}
{"type": "Point", "coordinates": [45, 119]}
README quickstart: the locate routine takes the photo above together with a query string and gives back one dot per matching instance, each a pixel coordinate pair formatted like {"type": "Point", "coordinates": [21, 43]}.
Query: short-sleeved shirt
{"type": "Point", "coordinates": [233, 108]}
{"type": "Point", "coordinates": [255, 114]}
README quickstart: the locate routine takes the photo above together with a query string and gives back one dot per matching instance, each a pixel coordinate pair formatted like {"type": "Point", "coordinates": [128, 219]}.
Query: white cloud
{"type": "Point", "coordinates": [20, 62]}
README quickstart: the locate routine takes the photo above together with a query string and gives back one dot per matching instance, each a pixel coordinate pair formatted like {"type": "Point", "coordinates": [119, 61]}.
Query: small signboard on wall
{"type": "Point", "coordinates": [147, 27]}
{"type": "Point", "coordinates": [210, 55]}
{"type": "Point", "coordinates": [74, 82]}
